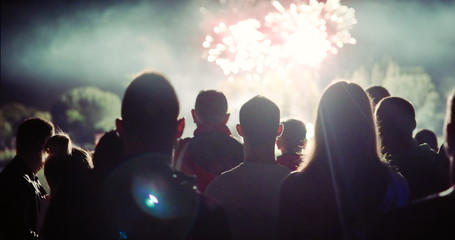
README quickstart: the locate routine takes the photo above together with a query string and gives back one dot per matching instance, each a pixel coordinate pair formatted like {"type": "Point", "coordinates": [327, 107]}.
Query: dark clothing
{"type": "Point", "coordinates": [432, 218]}
{"type": "Point", "coordinates": [309, 208]}
{"type": "Point", "coordinates": [144, 198]}
{"type": "Point", "coordinates": [209, 153]}
{"type": "Point", "coordinates": [21, 194]}
{"type": "Point", "coordinates": [290, 160]}
{"type": "Point", "coordinates": [70, 214]}
{"type": "Point", "coordinates": [425, 172]}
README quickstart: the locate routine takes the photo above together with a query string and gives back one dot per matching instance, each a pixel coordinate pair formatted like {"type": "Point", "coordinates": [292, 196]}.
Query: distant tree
{"type": "Point", "coordinates": [11, 115]}
{"type": "Point", "coordinates": [411, 83]}
{"type": "Point", "coordinates": [85, 111]}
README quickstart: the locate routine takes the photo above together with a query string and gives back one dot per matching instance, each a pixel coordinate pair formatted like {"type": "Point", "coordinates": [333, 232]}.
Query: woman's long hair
{"type": "Point", "coordinates": [345, 152]}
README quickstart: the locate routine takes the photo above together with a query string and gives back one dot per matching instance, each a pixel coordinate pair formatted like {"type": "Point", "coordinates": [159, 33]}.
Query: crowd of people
{"type": "Point", "coordinates": [366, 175]}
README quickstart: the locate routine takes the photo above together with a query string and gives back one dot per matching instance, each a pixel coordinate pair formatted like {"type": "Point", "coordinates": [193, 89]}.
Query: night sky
{"type": "Point", "coordinates": [48, 47]}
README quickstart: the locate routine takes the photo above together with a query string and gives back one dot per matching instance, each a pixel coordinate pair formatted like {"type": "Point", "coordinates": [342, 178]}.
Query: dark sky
{"type": "Point", "coordinates": [50, 46]}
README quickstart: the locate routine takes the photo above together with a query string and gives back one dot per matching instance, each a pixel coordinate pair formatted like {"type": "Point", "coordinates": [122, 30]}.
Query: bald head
{"type": "Point", "coordinates": [149, 111]}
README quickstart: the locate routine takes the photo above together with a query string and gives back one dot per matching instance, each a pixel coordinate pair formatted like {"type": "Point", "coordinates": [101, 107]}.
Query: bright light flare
{"type": "Point", "coordinates": [238, 47]}
{"type": "Point", "coordinates": [302, 34]}
{"type": "Point", "coordinates": [151, 201]}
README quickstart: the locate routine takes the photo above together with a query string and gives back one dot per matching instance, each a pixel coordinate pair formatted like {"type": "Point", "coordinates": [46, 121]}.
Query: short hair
{"type": "Point", "coordinates": [62, 167]}
{"type": "Point", "coordinates": [211, 106]}
{"type": "Point", "coordinates": [32, 134]}
{"type": "Point", "coordinates": [428, 137]}
{"type": "Point", "coordinates": [150, 109]}
{"type": "Point", "coordinates": [450, 118]}
{"type": "Point", "coordinates": [377, 93]}
{"type": "Point", "coordinates": [58, 144]}
{"type": "Point", "coordinates": [294, 134]}
{"type": "Point", "coordinates": [396, 117]}
{"type": "Point", "coordinates": [259, 119]}
{"type": "Point", "coordinates": [108, 153]}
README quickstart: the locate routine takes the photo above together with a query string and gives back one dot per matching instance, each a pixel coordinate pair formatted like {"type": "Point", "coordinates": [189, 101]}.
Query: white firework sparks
{"type": "Point", "coordinates": [302, 34]}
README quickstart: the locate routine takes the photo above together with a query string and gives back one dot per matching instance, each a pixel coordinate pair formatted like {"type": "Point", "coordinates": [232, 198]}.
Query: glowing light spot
{"type": "Point", "coordinates": [304, 33]}
{"type": "Point", "coordinates": [122, 235]}
{"type": "Point", "coordinates": [151, 201]}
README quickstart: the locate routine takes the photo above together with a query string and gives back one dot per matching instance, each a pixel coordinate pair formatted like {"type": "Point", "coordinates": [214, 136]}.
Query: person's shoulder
{"type": "Point", "coordinates": [224, 179]}
{"type": "Point", "coordinates": [425, 219]}
{"type": "Point", "coordinates": [282, 168]}
{"type": "Point", "coordinates": [294, 178]}
{"type": "Point", "coordinates": [215, 136]}
{"type": "Point", "coordinates": [231, 173]}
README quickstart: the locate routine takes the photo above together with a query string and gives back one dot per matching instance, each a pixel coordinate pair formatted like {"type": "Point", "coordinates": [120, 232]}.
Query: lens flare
{"type": "Point", "coordinates": [151, 201]}
{"type": "Point", "coordinates": [301, 35]}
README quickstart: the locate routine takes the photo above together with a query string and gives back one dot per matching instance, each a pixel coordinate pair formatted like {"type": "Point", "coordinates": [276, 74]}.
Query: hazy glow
{"type": "Point", "coordinates": [151, 201]}
{"type": "Point", "coordinates": [302, 34]}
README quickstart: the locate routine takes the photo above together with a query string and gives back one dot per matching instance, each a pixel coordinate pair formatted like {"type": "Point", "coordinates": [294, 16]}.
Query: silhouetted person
{"type": "Point", "coordinates": [212, 150]}
{"type": "Point", "coordinates": [144, 198]}
{"type": "Point", "coordinates": [343, 185]}
{"type": "Point", "coordinates": [249, 192]}
{"type": "Point", "coordinates": [291, 143]}
{"type": "Point", "coordinates": [68, 215]}
{"type": "Point", "coordinates": [421, 166]}
{"type": "Point", "coordinates": [107, 156]}
{"type": "Point", "coordinates": [20, 189]}
{"type": "Point", "coordinates": [432, 217]}
{"type": "Point", "coordinates": [428, 137]}
{"type": "Point", "coordinates": [377, 93]}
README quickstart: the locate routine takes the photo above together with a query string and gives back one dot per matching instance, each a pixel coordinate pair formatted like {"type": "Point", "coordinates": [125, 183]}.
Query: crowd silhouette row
{"type": "Point", "coordinates": [366, 175]}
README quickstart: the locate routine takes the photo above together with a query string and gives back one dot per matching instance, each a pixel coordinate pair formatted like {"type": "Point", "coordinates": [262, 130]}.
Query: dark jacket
{"type": "Point", "coordinates": [21, 193]}
{"type": "Point", "coordinates": [209, 153]}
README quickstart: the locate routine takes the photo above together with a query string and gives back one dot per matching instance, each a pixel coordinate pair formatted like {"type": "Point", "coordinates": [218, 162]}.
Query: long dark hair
{"type": "Point", "coordinates": [346, 152]}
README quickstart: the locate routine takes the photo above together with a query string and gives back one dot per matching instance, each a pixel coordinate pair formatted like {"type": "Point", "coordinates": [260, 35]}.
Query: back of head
{"type": "Point", "coordinates": [428, 137]}
{"type": "Point", "coordinates": [259, 119]}
{"type": "Point", "coordinates": [346, 152]}
{"type": "Point", "coordinates": [211, 106]}
{"type": "Point", "coordinates": [344, 124]}
{"type": "Point", "coordinates": [396, 118]}
{"type": "Point", "coordinates": [149, 110]}
{"type": "Point", "coordinates": [294, 135]}
{"type": "Point", "coordinates": [450, 128]}
{"type": "Point", "coordinates": [59, 144]}
{"type": "Point", "coordinates": [377, 93]}
{"type": "Point", "coordinates": [32, 135]}
{"type": "Point", "coordinates": [61, 168]}
{"type": "Point", "coordinates": [108, 153]}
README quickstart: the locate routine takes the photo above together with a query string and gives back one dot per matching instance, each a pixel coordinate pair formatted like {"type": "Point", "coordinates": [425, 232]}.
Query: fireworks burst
{"type": "Point", "coordinates": [302, 34]}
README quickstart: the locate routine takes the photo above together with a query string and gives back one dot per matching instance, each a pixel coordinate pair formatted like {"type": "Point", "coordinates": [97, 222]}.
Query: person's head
{"type": "Point", "coordinates": [293, 138]}
{"type": "Point", "coordinates": [428, 137]}
{"type": "Point", "coordinates": [345, 151]}
{"type": "Point", "coordinates": [396, 119]}
{"type": "Point", "coordinates": [259, 121]}
{"type": "Point", "coordinates": [449, 133]}
{"type": "Point", "coordinates": [63, 167]}
{"type": "Point", "coordinates": [345, 130]}
{"type": "Point", "coordinates": [58, 144]}
{"type": "Point", "coordinates": [211, 107]}
{"type": "Point", "coordinates": [108, 153]}
{"type": "Point", "coordinates": [149, 115]}
{"type": "Point", "coordinates": [377, 93]}
{"type": "Point", "coordinates": [31, 137]}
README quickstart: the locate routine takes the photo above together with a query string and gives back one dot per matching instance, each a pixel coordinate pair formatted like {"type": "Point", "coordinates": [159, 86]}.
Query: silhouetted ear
{"type": "Point", "coordinates": [119, 126]}
{"type": "Point", "coordinates": [450, 140]}
{"type": "Point", "coordinates": [226, 118]}
{"type": "Point", "coordinates": [194, 114]}
{"type": "Point", "coordinates": [239, 130]}
{"type": "Point", "coordinates": [180, 127]}
{"type": "Point", "coordinates": [279, 143]}
{"type": "Point", "coordinates": [414, 124]}
{"type": "Point", "coordinates": [280, 130]}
